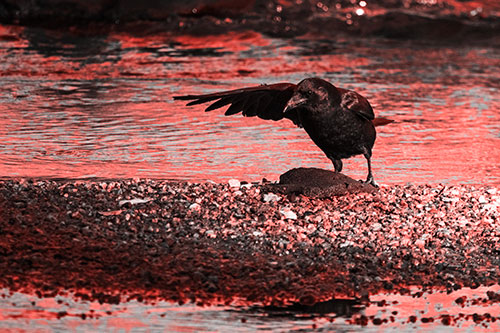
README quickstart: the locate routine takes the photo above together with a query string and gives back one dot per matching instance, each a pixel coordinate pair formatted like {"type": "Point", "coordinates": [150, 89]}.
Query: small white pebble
{"type": "Point", "coordinates": [288, 213]}
{"type": "Point", "coordinates": [492, 191]}
{"type": "Point", "coordinates": [376, 226]}
{"type": "Point", "coordinates": [482, 200]}
{"type": "Point", "coordinates": [238, 193]}
{"type": "Point", "coordinates": [194, 206]}
{"type": "Point", "coordinates": [394, 243]}
{"type": "Point", "coordinates": [234, 183]}
{"type": "Point", "coordinates": [257, 233]}
{"type": "Point", "coordinates": [133, 201]}
{"type": "Point", "coordinates": [347, 243]}
{"type": "Point", "coordinates": [271, 197]}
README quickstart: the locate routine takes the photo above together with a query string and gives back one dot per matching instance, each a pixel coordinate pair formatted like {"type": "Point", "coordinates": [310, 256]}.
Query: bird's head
{"type": "Point", "coordinates": [313, 94]}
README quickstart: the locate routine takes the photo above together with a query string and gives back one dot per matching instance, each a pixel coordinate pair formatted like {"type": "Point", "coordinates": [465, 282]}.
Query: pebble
{"type": "Point", "coordinates": [288, 213]}
{"type": "Point", "coordinates": [492, 191]}
{"type": "Point", "coordinates": [133, 201]}
{"type": "Point", "coordinates": [194, 206]}
{"type": "Point", "coordinates": [210, 234]}
{"type": "Point", "coordinates": [271, 197]}
{"type": "Point", "coordinates": [234, 183]}
{"type": "Point", "coordinates": [420, 243]}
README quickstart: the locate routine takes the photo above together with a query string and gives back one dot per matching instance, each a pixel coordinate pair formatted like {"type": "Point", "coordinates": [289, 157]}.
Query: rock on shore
{"type": "Point", "coordinates": [215, 243]}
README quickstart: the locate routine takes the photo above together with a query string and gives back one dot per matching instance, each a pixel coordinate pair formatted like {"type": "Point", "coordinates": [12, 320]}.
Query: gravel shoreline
{"type": "Point", "coordinates": [210, 243]}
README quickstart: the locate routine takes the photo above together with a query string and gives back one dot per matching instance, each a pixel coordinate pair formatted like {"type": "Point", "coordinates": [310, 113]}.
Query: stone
{"type": "Point", "coordinates": [314, 182]}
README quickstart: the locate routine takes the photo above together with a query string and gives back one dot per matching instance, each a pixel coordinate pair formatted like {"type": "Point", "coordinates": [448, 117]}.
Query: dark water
{"type": "Point", "coordinates": [80, 106]}
{"type": "Point", "coordinates": [21, 312]}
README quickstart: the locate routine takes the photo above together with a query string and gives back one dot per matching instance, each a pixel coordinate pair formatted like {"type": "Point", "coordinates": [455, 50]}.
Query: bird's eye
{"type": "Point", "coordinates": [308, 93]}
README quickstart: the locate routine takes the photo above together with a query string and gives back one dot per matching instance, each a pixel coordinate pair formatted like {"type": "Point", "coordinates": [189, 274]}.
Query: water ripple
{"type": "Point", "coordinates": [102, 107]}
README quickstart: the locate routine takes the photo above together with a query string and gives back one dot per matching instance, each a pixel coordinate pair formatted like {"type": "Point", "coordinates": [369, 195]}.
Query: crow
{"type": "Point", "coordinates": [340, 122]}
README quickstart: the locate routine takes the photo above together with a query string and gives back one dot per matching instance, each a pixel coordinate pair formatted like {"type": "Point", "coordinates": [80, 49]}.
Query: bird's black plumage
{"type": "Point", "coordinates": [340, 122]}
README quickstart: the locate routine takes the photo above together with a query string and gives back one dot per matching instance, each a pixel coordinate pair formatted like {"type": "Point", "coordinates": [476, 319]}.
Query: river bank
{"type": "Point", "coordinates": [210, 243]}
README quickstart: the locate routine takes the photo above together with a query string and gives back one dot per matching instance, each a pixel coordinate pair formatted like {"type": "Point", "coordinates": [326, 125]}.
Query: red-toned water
{"type": "Point", "coordinates": [74, 106]}
{"type": "Point", "coordinates": [433, 312]}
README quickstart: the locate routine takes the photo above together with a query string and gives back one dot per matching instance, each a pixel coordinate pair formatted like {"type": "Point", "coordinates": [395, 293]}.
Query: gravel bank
{"type": "Point", "coordinates": [219, 243]}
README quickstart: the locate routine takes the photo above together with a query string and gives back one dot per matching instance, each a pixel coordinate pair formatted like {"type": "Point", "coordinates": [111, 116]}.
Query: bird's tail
{"type": "Point", "coordinates": [381, 121]}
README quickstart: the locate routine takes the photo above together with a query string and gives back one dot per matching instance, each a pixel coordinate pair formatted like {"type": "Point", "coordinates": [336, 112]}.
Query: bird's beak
{"type": "Point", "coordinates": [295, 102]}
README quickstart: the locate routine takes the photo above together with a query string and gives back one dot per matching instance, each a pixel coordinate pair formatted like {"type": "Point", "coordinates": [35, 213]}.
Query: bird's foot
{"type": "Point", "coordinates": [372, 182]}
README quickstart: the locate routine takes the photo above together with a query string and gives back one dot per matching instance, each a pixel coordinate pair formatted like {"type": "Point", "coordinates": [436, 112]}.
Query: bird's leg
{"type": "Point", "coordinates": [337, 164]}
{"type": "Point", "coordinates": [369, 178]}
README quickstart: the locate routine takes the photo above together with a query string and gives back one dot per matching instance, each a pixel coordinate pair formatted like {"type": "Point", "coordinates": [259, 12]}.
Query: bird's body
{"type": "Point", "coordinates": [339, 121]}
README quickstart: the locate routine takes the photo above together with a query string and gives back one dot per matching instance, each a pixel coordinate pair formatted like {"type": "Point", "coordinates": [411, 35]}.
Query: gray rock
{"type": "Point", "coordinates": [316, 182]}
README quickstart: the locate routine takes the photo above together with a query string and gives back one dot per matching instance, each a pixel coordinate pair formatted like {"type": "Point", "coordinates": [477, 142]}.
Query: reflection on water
{"type": "Point", "coordinates": [101, 106]}
{"type": "Point", "coordinates": [462, 309]}
{"type": "Point", "coordinates": [332, 307]}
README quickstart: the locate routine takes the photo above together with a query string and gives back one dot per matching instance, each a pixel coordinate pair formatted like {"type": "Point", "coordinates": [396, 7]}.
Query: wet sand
{"type": "Point", "coordinates": [212, 244]}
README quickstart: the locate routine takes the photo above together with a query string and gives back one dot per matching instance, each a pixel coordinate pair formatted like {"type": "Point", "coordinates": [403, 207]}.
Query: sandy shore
{"type": "Point", "coordinates": [220, 243]}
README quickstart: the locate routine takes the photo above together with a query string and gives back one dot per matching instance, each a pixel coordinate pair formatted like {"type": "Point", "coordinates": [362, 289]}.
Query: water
{"type": "Point", "coordinates": [20, 311]}
{"type": "Point", "coordinates": [74, 105]}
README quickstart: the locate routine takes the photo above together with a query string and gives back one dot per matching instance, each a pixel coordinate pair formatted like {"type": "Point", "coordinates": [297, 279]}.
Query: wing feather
{"type": "Point", "coordinates": [235, 107]}
{"type": "Point", "coordinates": [252, 107]}
{"type": "Point", "coordinates": [265, 101]}
{"type": "Point", "coordinates": [201, 101]}
{"type": "Point", "coordinates": [220, 103]}
{"type": "Point", "coordinates": [356, 103]}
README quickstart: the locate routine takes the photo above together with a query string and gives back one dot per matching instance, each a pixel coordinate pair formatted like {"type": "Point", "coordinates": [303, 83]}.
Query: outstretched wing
{"type": "Point", "coordinates": [356, 103]}
{"type": "Point", "coordinates": [265, 101]}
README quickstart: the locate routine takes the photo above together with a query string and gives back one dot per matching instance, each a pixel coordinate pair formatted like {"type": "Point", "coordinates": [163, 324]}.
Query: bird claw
{"type": "Point", "coordinates": [371, 182]}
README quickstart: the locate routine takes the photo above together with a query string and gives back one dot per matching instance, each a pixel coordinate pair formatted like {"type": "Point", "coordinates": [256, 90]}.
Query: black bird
{"type": "Point", "coordinates": [340, 122]}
